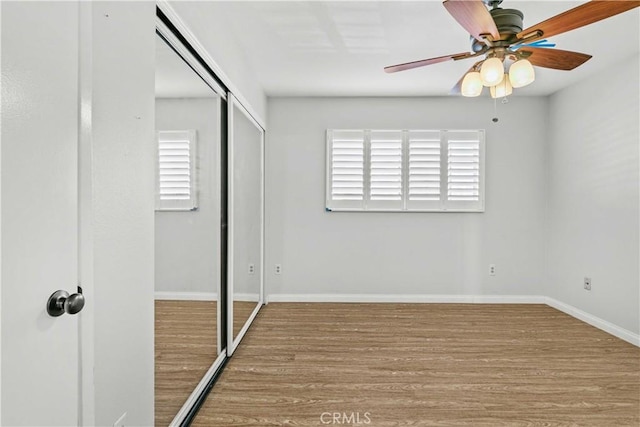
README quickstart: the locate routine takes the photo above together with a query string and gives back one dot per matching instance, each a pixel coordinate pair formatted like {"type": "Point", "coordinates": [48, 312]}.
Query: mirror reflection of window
{"type": "Point", "coordinates": [187, 231]}
{"type": "Point", "coordinates": [177, 176]}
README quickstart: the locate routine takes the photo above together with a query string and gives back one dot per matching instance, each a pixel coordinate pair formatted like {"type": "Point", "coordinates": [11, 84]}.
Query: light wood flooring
{"type": "Point", "coordinates": [425, 364]}
{"type": "Point", "coordinates": [185, 348]}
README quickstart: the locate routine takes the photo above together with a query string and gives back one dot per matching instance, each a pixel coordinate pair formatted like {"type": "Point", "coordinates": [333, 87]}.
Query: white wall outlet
{"type": "Point", "coordinates": [492, 269]}
{"type": "Point", "coordinates": [278, 269]}
{"type": "Point", "coordinates": [252, 268]}
{"type": "Point", "coordinates": [120, 421]}
{"type": "Point", "coordinates": [587, 283]}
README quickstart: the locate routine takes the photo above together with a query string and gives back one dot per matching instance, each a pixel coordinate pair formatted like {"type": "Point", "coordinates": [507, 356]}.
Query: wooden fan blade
{"type": "Point", "coordinates": [423, 62]}
{"type": "Point", "coordinates": [457, 89]}
{"type": "Point", "coordinates": [577, 17]}
{"type": "Point", "coordinates": [474, 17]}
{"type": "Point", "coordinates": [555, 58]}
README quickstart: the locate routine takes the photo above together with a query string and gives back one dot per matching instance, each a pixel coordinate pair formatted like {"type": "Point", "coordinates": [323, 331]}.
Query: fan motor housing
{"type": "Point", "coordinates": [509, 23]}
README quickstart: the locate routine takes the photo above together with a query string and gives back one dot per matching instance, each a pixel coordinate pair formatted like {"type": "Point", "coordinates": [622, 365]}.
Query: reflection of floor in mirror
{"type": "Point", "coordinates": [425, 364]}
{"type": "Point", "coordinates": [241, 312]}
{"type": "Point", "coordinates": [185, 348]}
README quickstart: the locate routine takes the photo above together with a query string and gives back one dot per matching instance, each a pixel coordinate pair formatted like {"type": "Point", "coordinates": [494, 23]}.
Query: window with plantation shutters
{"type": "Point", "coordinates": [385, 169]}
{"type": "Point", "coordinates": [405, 170]}
{"type": "Point", "coordinates": [176, 183]}
{"type": "Point", "coordinates": [463, 168]}
{"type": "Point", "coordinates": [345, 161]}
{"type": "Point", "coordinates": [424, 169]}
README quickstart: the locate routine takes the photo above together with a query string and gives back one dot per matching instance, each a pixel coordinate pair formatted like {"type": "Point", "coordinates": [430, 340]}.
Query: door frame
{"type": "Point", "coordinates": [86, 318]}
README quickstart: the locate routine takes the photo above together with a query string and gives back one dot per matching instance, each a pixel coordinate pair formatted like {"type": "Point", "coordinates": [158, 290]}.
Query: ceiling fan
{"type": "Point", "coordinates": [498, 35]}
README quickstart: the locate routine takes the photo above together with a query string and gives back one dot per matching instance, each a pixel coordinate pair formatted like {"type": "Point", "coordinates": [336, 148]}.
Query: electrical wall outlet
{"type": "Point", "coordinates": [587, 283]}
{"type": "Point", "coordinates": [492, 269]}
{"type": "Point", "coordinates": [121, 420]}
{"type": "Point", "coordinates": [252, 268]}
{"type": "Point", "coordinates": [278, 269]}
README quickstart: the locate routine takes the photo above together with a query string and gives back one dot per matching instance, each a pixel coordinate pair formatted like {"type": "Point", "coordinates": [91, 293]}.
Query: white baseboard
{"type": "Point", "coordinates": [247, 297]}
{"type": "Point", "coordinates": [599, 323]}
{"type": "Point", "coordinates": [408, 298]}
{"type": "Point", "coordinates": [202, 296]}
{"type": "Point", "coordinates": [509, 299]}
{"type": "Point", "coordinates": [187, 296]}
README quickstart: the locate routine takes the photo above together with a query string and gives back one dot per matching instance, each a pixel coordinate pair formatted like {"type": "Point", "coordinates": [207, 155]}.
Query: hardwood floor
{"type": "Point", "coordinates": [425, 364]}
{"type": "Point", "coordinates": [185, 348]}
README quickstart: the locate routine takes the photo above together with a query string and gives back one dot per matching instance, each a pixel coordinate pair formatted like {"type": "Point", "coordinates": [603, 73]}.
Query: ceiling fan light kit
{"type": "Point", "coordinates": [502, 89]}
{"type": "Point", "coordinates": [472, 84]}
{"type": "Point", "coordinates": [521, 73]}
{"type": "Point", "coordinates": [498, 35]}
{"type": "Point", "coordinates": [492, 71]}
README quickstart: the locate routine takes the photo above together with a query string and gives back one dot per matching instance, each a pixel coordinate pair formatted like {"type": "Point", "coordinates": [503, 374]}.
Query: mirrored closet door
{"type": "Point", "coordinates": [246, 221]}
{"type": "Point", "coordinates": [188, 329]}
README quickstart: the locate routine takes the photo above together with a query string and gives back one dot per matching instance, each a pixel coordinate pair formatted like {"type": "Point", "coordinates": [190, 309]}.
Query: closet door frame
{"type": "Point", "coordinates": [233, 341]}
{"type": "Point", "coordinates": [188, 409]}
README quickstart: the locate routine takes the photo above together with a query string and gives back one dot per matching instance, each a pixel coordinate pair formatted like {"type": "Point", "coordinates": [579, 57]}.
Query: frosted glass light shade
{"type": "Point", "coordinates": [521, 73]}
{"type": "Point", "coordinates": [502, 89]}
{"type": "Point", "coordinates": [491, 72]}
{"type": "Point", "coordinates": [472, 84]}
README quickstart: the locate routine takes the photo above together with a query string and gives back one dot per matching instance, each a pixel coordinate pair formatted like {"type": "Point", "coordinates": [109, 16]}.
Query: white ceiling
{"type": "Point", "coordinates": [319, 48]}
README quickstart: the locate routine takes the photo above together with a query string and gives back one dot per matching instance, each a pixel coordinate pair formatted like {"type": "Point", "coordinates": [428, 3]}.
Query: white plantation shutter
{"type": "Point", "coordinates": [424, 148]}
{"type": "Point", "coordinates": [345, 166]}
{"type": "Point", "coordinates": [405, 170]}
{"type": "Point", "coordinates": [463, 169]}
{"type": "Point", "coordinates": [176, 184]}
{"type": "Point", "coordinates": [385, 170]}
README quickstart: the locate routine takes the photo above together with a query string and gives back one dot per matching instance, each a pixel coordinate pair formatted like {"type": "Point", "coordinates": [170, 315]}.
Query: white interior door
{"type": "Point", "coordinates": [39, 211]}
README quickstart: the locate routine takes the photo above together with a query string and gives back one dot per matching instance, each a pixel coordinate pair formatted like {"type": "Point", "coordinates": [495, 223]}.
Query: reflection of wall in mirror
{"type": "Point", "coordinates": [247, 197]}
{"type": "Point", "coordinates": [187, 243]}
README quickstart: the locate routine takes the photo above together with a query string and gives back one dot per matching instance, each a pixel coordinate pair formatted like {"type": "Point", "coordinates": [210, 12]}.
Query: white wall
{"type": "Point", "coordinates": [593, 195]}
{"type": "Point", "coordinates": [123, 203]}
{"type": "Point", "coordinates": [215, 35]}
{"type": "Point", "coordinates": [405, 253]}
{"type": "Point", "coordinates": [187, 244]}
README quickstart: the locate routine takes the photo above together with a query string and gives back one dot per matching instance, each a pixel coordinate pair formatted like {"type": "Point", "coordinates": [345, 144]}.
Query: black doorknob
{"type": "Point", "coordinates": [61, 302]}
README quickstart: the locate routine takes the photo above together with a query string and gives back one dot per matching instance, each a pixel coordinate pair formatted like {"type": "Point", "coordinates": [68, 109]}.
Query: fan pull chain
{"type": "Point", "coordinates": [505, 100]}
{"type": "Point", "coordinates": [495, 111]}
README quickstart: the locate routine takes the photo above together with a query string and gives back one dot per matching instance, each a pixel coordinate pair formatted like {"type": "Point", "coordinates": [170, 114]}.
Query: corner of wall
{"type": "Point", "coordinates": [548, 140]}
{"type": "Point", "coordinates": [592, 207]}
{"type": "Point", "coordinates": [123, 69]}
